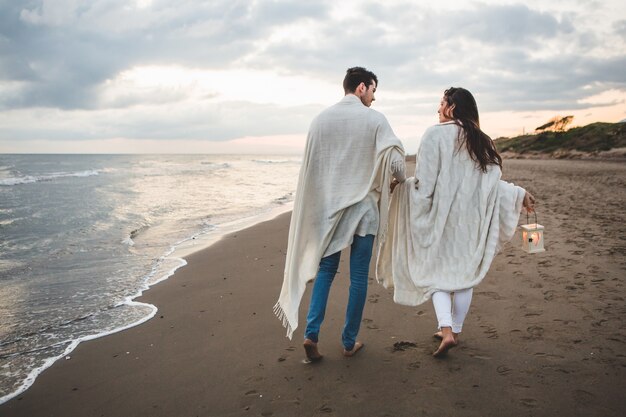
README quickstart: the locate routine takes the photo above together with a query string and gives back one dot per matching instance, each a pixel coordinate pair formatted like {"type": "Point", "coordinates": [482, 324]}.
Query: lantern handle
{"type": "Point", "coordinates": [535, 213]}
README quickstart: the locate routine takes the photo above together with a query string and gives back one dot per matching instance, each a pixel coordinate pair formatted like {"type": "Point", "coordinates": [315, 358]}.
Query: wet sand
{"type": "Point", "coordinates": [545, 335]}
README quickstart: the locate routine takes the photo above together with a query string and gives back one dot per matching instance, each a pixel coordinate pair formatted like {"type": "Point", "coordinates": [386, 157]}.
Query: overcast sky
{"type": "Point", "coordinates": [119, 76]}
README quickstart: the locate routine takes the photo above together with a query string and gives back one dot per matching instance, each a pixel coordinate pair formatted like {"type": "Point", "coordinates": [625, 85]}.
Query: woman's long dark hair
{"type": "Point", "coordinates": [465, 112]}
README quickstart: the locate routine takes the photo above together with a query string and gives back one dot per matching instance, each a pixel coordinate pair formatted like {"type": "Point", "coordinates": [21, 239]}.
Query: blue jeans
{"type": "Point", "coordinates": [360, 256]}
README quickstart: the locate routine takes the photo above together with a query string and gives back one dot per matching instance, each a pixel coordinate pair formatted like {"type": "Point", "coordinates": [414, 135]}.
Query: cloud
{"type": "Point", "coordinates": [73, 55]}
{"type": "Point", "coordinates": [66, 49]}
{"type": "Point", "coordinates": [510, 25]}
{"type": "Point", "coordinates": [211, 121]}
{"type": "Point", "coordinates": [620, 28]}
{"type": "Point", "coordinates": [502, 51]}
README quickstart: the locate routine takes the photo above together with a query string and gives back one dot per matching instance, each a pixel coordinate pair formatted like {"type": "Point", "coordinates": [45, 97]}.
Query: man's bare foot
{"type": "Point", "coordinates": [310, 348]}
{"type": "Point", "coordinates": [447, 343]}
{"type": "Point", "coordinates": [439, 335]}
{"type": "Point", "coordinates": [357, 346]}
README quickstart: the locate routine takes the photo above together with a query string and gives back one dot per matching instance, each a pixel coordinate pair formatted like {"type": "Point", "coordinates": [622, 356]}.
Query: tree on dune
{"type": "Point", "coordinates": [556, 124]}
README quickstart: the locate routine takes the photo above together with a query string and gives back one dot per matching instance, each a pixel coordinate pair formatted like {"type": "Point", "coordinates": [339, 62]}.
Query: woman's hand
{"type": "Point", "coordinates": [394, 183]}
{"type": "Point", "coordinates": [529, 202]}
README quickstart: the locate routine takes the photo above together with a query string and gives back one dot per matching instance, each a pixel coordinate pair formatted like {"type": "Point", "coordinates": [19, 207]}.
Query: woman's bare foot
{"type": "Point", "coordinates": [310, 348]}
{"type": "Point", "coordinates": [448, 341]}
{"type": "Point", "coordinates": [444, 347]}
{"type": "Point", "coordinates": [439, 335]}
{"type": "Point", "coordinates": [357, 346]}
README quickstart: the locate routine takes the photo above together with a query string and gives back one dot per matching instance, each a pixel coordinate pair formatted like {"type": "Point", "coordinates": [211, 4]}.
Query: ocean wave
{"type": "Point", "coordinates": [138, 230]}
{"type": "Point", "coordinates": [29, 179]}
{"type": "Point", "coordinates": [9, 221]}
{"type": "Point", "coordinates": [184, 217]}
{"type": "Point", "coordinates": [7, 265]}
{"type": "Point", "coordinates": [271, 162]}
{"type": "Point", "coordinates": [284, 199]}
{"type": "Point", "coordinates": [5, 345]}
{"type": "Point", "coordinates": [129, 240]}
{"type": "Point", "coordinates": [224, 165]}
{"type": "Point", "coordinates": [67, 346]}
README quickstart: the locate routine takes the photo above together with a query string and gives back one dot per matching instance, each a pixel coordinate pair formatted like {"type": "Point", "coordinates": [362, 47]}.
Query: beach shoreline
{"type": "Point", "coordinates": [176, 254]}
{"type": "Point", "coordinates": [83, 235]}
{"type": "Point", "coordinates": [544, 336]}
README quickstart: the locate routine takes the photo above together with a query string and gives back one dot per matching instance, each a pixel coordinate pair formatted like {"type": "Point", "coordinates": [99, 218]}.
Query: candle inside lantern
{"type": "Point", "coordinates": [535, 238]}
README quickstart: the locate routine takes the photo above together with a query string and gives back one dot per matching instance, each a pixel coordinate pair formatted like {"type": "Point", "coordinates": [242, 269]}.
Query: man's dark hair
{"type": "Point", "coordinates": [356, 76]}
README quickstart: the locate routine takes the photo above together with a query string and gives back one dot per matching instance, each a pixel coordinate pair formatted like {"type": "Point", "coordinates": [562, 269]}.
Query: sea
{"type": "Point", "coordinates": [82, 236]}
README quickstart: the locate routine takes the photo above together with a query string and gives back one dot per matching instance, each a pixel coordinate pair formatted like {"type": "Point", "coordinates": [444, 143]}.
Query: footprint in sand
{"type": "Point", "coordinates": [584, 397]}
{"type": "Point", "coordinates": [491, 294]}
{"type": "Point", "coordinates": [413, 366]}
{"type": "Point", "coordinates": [373, 298]}
{"type": "Point", "coordinates": [491, 331]}
{"type": "Point", "coordinates": [615, 339]}
{"type": "Point", "coordinates": [549, 355]}
{"type": "Point", "coordinates": [546, 277]}
{"type": "Point", "coordinates": [460, 404]}
{"type": "Point", "coordinates": [569, 263]}
{"type": "Point", "coordinates": [482, 357]}
{"type": "Point", "coordinates": [529, 402]}
{"type": "Point", "coordinates": [548, 295]}
{"type": "Point", "coordinates": [565, 322]}
{"type": "Point", "coordinates": [402, 346]}
{"type": "Point", "coordinates": [535, 332]}
{"type": "Point", "coordinates": [504, 370]}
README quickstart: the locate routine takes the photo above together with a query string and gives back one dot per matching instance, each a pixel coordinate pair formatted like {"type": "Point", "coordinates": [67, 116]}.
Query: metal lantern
{"type": "Point", "coordinates": [532, 236]}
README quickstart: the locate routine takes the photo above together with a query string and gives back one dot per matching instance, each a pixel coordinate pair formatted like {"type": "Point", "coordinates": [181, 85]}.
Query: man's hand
{"type": "Point", "coordinates": [529, 202]}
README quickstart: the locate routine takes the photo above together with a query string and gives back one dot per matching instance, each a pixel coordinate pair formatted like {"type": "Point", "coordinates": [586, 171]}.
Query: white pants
{"type": "Point", "coordinates": [449, 313]}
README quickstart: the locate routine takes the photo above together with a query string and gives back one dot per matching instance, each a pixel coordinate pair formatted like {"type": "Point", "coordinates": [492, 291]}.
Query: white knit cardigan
{"type": "Point", "coordinates": [348, 156]}
{"type": "Point", "coordinates": [447, 223]}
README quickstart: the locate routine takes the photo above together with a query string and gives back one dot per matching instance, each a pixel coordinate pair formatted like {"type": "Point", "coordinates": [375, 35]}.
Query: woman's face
{"type": "Point", "coordinates": [445, 111]}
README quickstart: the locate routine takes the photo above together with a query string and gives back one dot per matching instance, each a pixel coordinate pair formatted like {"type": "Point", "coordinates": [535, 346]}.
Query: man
{"type": "Point", "coordinates": [342, 200]}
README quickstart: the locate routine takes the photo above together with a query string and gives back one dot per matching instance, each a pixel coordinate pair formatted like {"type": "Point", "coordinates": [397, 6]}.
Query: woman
{"type": "Point", "coordinates": [448, 222]}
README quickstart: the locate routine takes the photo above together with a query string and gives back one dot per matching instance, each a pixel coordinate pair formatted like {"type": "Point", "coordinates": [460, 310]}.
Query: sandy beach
{"type": "Point", "coordinates": [545, 335]}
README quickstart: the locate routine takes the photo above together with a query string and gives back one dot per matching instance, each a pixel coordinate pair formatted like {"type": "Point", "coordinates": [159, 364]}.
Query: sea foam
{"type": "Point", "coordinates": [29, 179]}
